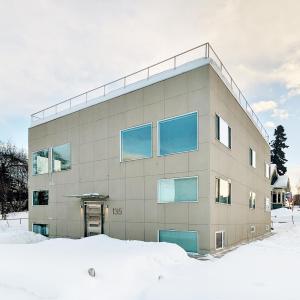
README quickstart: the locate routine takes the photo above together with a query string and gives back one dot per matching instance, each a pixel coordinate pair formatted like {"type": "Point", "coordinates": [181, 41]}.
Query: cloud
{"type": "Point", "coordinates": [280, 113]}
{"type": "Point", "coordinates": [262, 106]}
{"type": "Point", "coordinates": [270, 124]}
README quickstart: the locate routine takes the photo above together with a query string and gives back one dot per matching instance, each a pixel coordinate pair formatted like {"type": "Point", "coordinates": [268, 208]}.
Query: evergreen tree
{"type": "Point", "coordinates": [277, 149]}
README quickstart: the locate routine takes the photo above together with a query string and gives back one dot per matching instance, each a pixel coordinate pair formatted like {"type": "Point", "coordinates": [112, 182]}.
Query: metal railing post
{"type": "Point", "coordinates": [148, 72]}
{"type": "Point", "coordinates": [174, 62]}
{"type": "Point", "coordinates": [124, 81]}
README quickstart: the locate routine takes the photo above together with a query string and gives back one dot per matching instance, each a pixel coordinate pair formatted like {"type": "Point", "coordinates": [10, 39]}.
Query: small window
{"type": "Point", "coordinates": [220, 240]}
{"type": "Point", "coordinates": [188, 240]}
{"type": "Point", "coordinates": [42, 229]}
{"type": "Point", "coordinates": [136, 143]}
{"type": "Point", "coordinates": [178, 190]}
{"type": "Point", "coordinates": [252, 200]}
{"type": "Point", "coordinates": [268, 204]}
{"type": "Point", "coordinates": [40, 198]}
{"type": "Point", "coordinates": [252, 228]}
{"type": "Point", "coordinates": [223, 132]}
{"type": "Point", "coordinates": [267, 227]}
{"type": "Point", "coordinates": [252, 157]}
{"type": "Point", "coordinates": [178, 134]}
{"type": "Point", "coordinates": [40, 162]}
{"type": "Point", "coordinates": [267, 170]}
{"type": "Point", "coordinates": [223, 191]}
{"type": "Point", "coordinates": [61, 158]}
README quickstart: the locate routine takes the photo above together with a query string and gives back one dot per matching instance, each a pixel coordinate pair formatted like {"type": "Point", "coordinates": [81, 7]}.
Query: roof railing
{"type": "Point", "coordinates": [201, 51]}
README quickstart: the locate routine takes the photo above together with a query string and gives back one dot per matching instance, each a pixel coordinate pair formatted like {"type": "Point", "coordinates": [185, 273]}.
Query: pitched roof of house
{"type": "Point", "coordinates": [282, 182]}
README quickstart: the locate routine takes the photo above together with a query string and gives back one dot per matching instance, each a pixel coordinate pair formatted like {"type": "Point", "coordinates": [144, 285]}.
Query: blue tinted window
{"type": "Point", "coordinates": [61, 158]}
{"type": "Point", "coordinates": [40, 162]}
{"type": "Point", "coordinates": [179, 134]}
{"type": "Point", "coordinates": [178, 190]}
{"type": "Point", "coordinates": [40, 197]}
{"type": "Point", "coordinates": [136, 143]}
{"type": "Point", "coordinates": [41, 229]}
{"type": "Point", "coordinates": [188, 240]}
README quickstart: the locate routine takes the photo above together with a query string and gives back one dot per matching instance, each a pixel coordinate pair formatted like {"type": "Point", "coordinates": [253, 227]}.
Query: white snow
{"type": "Point", "coordinates": [58, 268]}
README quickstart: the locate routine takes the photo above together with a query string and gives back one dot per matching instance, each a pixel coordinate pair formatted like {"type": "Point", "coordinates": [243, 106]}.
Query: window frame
{"type": "Point", "coordinates": [251, 160]}
{"type": "Point", "coordinates": [185, 177]}
{"type": "Point", "coordinates": [49, 163]}
{"type": "Point", "coordinates": [39, 204]}
{"type": "Point", "coordinates": [267, 165]}
{"type": "Point", "coordinates": [195, 231]}
{"type": "Point", "coordinates": [52, 160]}
{"type": "Point", "coordinates": [130, 128]}
{"type": "Point", "coordinates": [48, 227]}
{"type": "Point", "coordinates": [270, 205]}
{"type": "Point", "coordinates": [217, 131]}
{"type": "Point", "coordinates": [170, 118]}
{"type": "Point", "coordinates": [250, 200]}
{"type": "Point", "coordinates": [223, 239]}
{"type": "Point", "coordinates": [230, 190]}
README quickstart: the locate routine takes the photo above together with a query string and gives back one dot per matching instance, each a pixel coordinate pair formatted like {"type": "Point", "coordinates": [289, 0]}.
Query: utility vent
{"type": "Point", "coordinates": [267, 227]}
{"type": "Point", "coordinates": [252, 228]}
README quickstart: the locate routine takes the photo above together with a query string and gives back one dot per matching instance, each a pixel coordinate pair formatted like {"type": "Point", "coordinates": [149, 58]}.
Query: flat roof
{"type": "Point", "coordinates": [186, 61]}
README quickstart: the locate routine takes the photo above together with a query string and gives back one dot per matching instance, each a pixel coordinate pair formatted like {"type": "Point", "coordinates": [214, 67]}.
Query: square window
{"type": "Point", "coordinates": [220, 238]}
{"type": "Point", "coordinates": [40, 162]}
{"type": "Point", "coordinates": [178, 190]}
{"type": "Point", "coordinates": [136, 143]}
{"type": "Point", "coordinates": [188, 240]}
{"type": "Point", "coordinates": [178, 134]}
{"type": "Point", "coordinates": [40, 197]}
{"type": "Point", "coordinates": [223, 132]}
{"type": "Point", "coordinates": [252, 228]}
{"type": "Point", "coordinates": [61, 158]}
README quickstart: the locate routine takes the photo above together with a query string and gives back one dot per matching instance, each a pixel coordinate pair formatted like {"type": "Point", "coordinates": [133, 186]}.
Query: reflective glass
{"type": "Point", "coordinates": [223, 132]}
{"type": "Point", "coordinates": [41, 229]}
{"type": "Point", "coordinates": [178, 190]}
{"type": "Point", "coordinates": [40, 162]}
{"type": "Point", "coordinates": [136, 143]}
{"type": "Point", "coordinates": [179, 134]}
{"type": "Point", "coordinates": [61, 158]}
{"type": "Point", "coordinates": [252, 200]}
{"type": "Point", "coordinates": [188, 240]}
{"type": "Point", "coordinates": [40, 198]}
{"type": "Point", "coordinates": [223, 191]}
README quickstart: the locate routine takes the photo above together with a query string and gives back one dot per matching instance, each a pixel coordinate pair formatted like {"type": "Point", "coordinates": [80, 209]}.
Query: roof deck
{"type": "Point", "coordinates": [175, 65]}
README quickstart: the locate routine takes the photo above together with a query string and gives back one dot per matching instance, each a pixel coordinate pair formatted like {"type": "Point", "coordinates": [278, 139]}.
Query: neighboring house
{"type": "Point", "coordinates": [281, 188]}
{"type": "Point", "coordinates": [176, 157]}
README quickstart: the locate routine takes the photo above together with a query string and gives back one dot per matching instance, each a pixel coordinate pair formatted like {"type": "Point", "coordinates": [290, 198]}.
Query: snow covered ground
{"type": "Point", "coordinates": [58, 269]}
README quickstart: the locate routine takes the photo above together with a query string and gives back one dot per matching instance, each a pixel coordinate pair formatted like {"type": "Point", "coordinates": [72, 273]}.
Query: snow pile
{"type": "Point", "coordinates": [14, 231]}
{"type": "Point", "coordinates": [58, 269]}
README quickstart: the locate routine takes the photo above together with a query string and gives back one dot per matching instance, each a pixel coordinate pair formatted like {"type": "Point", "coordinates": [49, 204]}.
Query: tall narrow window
{"type": "Point", "coordinates": [40, 162]}
{"type": "Point", "coordinates": [42, 229]}
{"type": "Point", "coordinates": [267, 170]}
{"type": "Point", "coordinates": [252, 199]}
{"type": "Point", "coordinates": [252, 158]}
{"type": "Point", "coordinates": [40, 197]}
{"type": "Point", "coordinates": [188, 240]}
{"type": "Point", "coordinates": [178, 134]}
{"type": "Point", "coordinates": [178, 190]}
{"type": "Point", "coordinates": [268, 204]}
{"type": "Point", "coordinates": [223, 132]}
{"type": "Point", "coordinates": [136, 143]}
{"type": "Point", "coordinates": [61, 158]}
{"type": "Point", "coordinates": [223, 191]}
{"type": "Point", "coordinates": [220, 240]}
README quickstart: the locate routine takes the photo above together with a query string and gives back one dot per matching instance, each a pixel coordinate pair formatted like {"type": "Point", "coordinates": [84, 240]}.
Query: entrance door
{"type": "Point", "coordinates": [93, 219]}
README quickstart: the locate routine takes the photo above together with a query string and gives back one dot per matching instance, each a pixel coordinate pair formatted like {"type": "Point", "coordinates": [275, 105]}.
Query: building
{"type": "Point", "coordinates": [281, 188]}
{"type": "Point", "coordinates": [170, 153]}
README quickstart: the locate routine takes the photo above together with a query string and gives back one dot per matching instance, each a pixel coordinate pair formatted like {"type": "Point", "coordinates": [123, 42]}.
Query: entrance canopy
{"type": "Point", "coordinates": [90, 198]}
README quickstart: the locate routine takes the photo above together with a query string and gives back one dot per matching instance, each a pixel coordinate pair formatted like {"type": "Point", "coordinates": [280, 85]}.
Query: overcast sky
{"type": "Point", "coordinates": [51, 50]}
